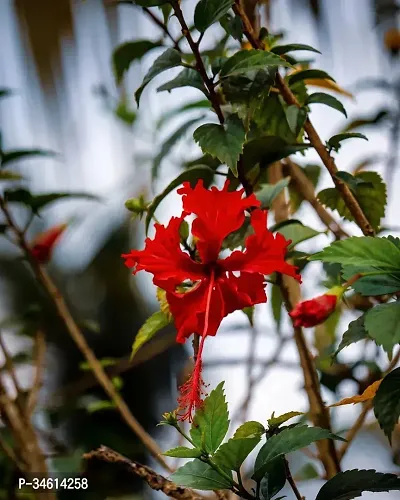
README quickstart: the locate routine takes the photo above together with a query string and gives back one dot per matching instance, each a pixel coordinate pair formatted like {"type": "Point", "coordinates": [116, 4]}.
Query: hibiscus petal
{"type": "Point", "coordinates": [265, 253]}
{"type": "Point", "coordinates": [164, 258]}
{"type": "Point", "coordinates": [219, 213]}
{"type": "Point", "coordinates": [243, 291]}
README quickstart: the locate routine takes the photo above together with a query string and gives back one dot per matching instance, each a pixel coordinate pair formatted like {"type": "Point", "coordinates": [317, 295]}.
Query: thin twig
{"type": "Point", "coordinates": [161, 25]}
{"type": "Point", "coordinates": [40, 351]}
{"type": "Point", "coordinates": [154, 480]}
{"type": "Point", "coordinates": [61, 307]}
{"type": "Point", "coordinates": [348, 197]}
{"type": "Point", "coordinates": [9, 364]}
{"type": "Point", "coordinates": [291, 481]}
{"type": "Point", "coordinates": [9, 452]}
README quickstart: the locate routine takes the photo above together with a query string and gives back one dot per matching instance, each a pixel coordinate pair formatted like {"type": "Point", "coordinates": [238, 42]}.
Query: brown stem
{"type": "Point", "coordinates": [154, 480]}
{"type": "Point", "coordinates": [40, 351]}
{"type": "Point", "coordinates": [348, 197]}
{"type": "Point", "coordinates": [62, 309]}
{"type": "Point", "coordinates": [161, 25]}
{"type": "Point", "coordinates": [291, 481]}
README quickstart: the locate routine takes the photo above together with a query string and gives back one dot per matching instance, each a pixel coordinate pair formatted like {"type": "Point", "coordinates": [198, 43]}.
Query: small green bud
{"type": "Point", "coordinates": [138, 206]}
{"type": "Point", "coordinates": [170, 418]}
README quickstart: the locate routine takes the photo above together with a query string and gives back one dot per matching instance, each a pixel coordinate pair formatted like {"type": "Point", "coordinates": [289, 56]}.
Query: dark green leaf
{"type": "Point", "coordinates": [150, 3]}
{"type": "Point", "coordinates": [283, 49]}
{"type": "Point", "coordinates": [235, 451]}
{"type": "Point", "coordinates": [191, 174]}
{"type": "Point", "coordinates": [249, 312]}
{"type": "Point", "coordinates": [270, 117]}
{"type": "Point", "coordinates": [334, 141]}
{"type": "Point", "coordinates": [276, 304]}
{"type": "Point", "coordinates": [362, 251]}
{"type": "Point", "coordinates": [328, 100]}
{"type": "Point", "coordinates": [355, 332]}
{"type": "Point", "coordinates": [269, 192]}
{"type": "Point", "coordinates": [246, 61]}
{"type": "Point", "coordinates": [287, 441]}
{"type": "Point", "coordinates": [171, 58]}
{"type": "Point", "coordinates": [274, 479]}
{"type": "Point", "coordinates": [198, 475]}
{"type": "Point", "coordinates": [211, 421]}
{"type": "Point", "coordinates": [208, 12]}
{"type": "Point", "coordinates": [151, 326]}
{"type": "Point", "coordinates": [275, 422]}
{"type": "Point", "coordinates": [166, 10]}
{"type": "Point", "coordinates": [186, 78]}
{"type": "Point", "coordinates": [370, 194]}
{"type": "Point", "coordinates": [248, 88]}
{"type": "Point", "coordinates": [267, 150]}
{"type": "Point", "coordinates": [352, 181]}
{"type": "Point", "coordinates": [382, 323]}
{"type": "Point", "coordinates": [372, 285]}
{"type": "Point", "coordinates": [38, 201]}
{"type": "Point", "coordinates": [237, 238]}
{"type": "Point", "coordinates": [296, 117]}
{"type": "Point", "coordinates": [376, 119]}
{"type": "Point", "coordinates": [224, 142]}
{"type": "Point", "coordinates": [352, 483]}
{"type": "Point", "coordinates": [170, 142]}
{"type": "Point", "coordinates": [183, 452]}
{"type": "Point", "coordinates": [233, 26]}
{"type": "Point", "coordinates": [124, 55]}
{"type": "Point", "coordinates": [295, 231]}
{"type": "Point", "coordinates": [190, 106]}
{"type": "Point", "coordinates": [249, 429]}
{"type": "Point", "coordinates": [387, 402]}
{"type": "Point", "coordinates": [21, 154]}
{"type": "Point", "coordinates": [306, 74]}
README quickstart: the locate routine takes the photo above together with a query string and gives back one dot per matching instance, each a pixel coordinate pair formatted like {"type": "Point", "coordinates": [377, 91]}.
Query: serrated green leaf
{"type": "Point", "coordinates": [269, 192]}
{"type": "Point", "coordinates": [328, 100]}
{"type": "Point", "coordinates": [21, 154]}
{"type": "Point", "coordinates": [125, 54]}
{"type": "Point", "coordinates": [171, 58]}
{"type": "Point", "coordinates": [295, 231]}
{"type": "Point", "coordinates": [362, 251]}
{"type": "Point", "coordinates": [382, 323]}
{"type": "Point", "coordinates": [245, 61]}
{"type": "Point", "coordinates": [335, 140]}
{"type": "Point", "coordinates": [224, 142]}
{"type": "Point", "coordinates": [198, 475]}
{"type": "Point", "coordinates": [271, 118]}
{"type": "Point", "coordinates": [248, 88]}
{"type": "Point", "coordinates": [170, 142]}
{"type": "Point", "coordinates": [355, 332]}
{"type": "Point", "coordinates": [190, 106]}
{"type": "Point", "coordinates": [235, 451]}
{"type": "Point", "coordinates": [284, 49]}
{"type": "Point", "coordinates": [352, 483]}
{"type": "Point", "coordinates": [372, 285]}
{"type": "Point", "coordinates": [186, 78]}
{"type": "Point", "coordinates": [277, 421]}
{"type": "Point", "coordinates": [306, 74]}
{"type": "Point", "coordinates": [274, 479]}
{"type": "Point", "coordinates": [208, 12]}
{"type": "Point", "coordinates": [249, 429]}
{"type": "Point", "coordinates": [387, 403]}
{"type": "Point", "coordinates": [287, 441]}
{"type": "Point", "coordinates": [267, 150]}
{"type": "Point", "coordinates": [211, 421]}
{"type": "Point", "coordinates": [183, 452]}
{"type": "Point", "coordinates": [190, 175]}
{"type": "Point", "coordinates": [151, 326]}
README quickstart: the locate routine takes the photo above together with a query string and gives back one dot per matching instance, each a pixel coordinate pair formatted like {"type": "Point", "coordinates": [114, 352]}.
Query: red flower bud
{"type": "Point", "coordinates": [315, 311]}
{"type": "Point", "coordinates": [42, 246]}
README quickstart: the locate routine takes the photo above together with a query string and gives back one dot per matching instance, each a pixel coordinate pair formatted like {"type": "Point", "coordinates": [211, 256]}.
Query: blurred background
{"type": "Point", "coordinates": [56, 59]}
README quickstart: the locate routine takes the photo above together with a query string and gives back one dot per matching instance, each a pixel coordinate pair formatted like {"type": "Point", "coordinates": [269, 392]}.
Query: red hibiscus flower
{"type": "Point", "coordinates": [315, 311]}
{"type": "Point", "coordinates": [216, 287]}
{"type": "Point", "coordinates": [43, 245]}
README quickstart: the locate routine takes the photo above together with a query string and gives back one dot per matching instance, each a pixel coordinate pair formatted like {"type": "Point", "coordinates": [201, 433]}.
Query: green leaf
{"type": "Point", "coordinates": [224, 142]}
{"type": "Point", "coordinates": [249, 429]}
{"type": "Point", "coordinates": [362, 251]}
{"type": "Point", "coordinates": [269, 192]}
{"type": "Point", "coordinates": [235, 451]}
{"type": "Point", "coordinates": [276, 305]}
{"type": "Point", "coordinates": [352, 181]}
{"type": "Point", "coordinates": [246, 61]}
{"type": "Point", "coordinates": [355, 332]}
{"type": "Point", "coordinates": [274, 479]}
{"type": "Point", "coordinates": [100, 405]}
{"type": "Point", "coordinates": [191, 174]}
{"type": "Point", "coordinates": [296, 117]}
{"type": "Point", "coordinates": [387, 403]}
{"type": "Point", "coordinates": [21, 154]}
{"type": "Point", "coordinates": [233, 26]}
{"type": "Point", "coordinates": [375, 119]}
{"type": "Point", "coordinates": [352, 483]}
{"type": "Point", "coordinates": [335, 140]}
{"type": "Point", "coordinates": [312, 172]}
{"type": "Point", "coordinates": [287, 441]}
{"type": "Point", "coordinates": [124, 55]}
{"type": "Point", "coordinates": [284, 49]}
{"type": "Point", "coordinates": [186, 78]}
{"type": "Point", "coordinates": [274, 422]}
{"type": "Point", "coordinates": [271, 117]}
{"type": "Point", "coordinates": [295, 231]}
{"type": "Point", "coordinates": [7, 175]}
{"type": "Point", "coordinates": [372, 285]}
{"type": "Point", "coordinates": [249, 312]}
{"type": "Point", "coordinates": [306, 74]}
{"type": "Point", "coordinates": [166, 10]}
{"type": "Point", "coordinates": [211, 421]}
{"type": "Point", "coordinates": [171, 58]}
{"type": "Point", "coordinates": [198, 475]}
{"type": "Point", "coordinates": [382, 323]}
{"type": "Point", "coordinates": [151, 326]}
{"type": "Point", "coordinates": [248, 88]}
{"type": "Point", "coordinates": [125, 113]}
{"type": "Point", "coordinates": [328, 100]}
{"type": "Point", "coordinates": [38, 201]}
{"type": "Point", "coordinates": [190, 106]}
{"type": "Point", "coordinates": [183, 452]}
{"type": "Point", "coordinates": [267, 150]}
{"type": "Point", "coordinates": [208, 12]}
{"type": "Point", "coordinates": [170, 142]}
